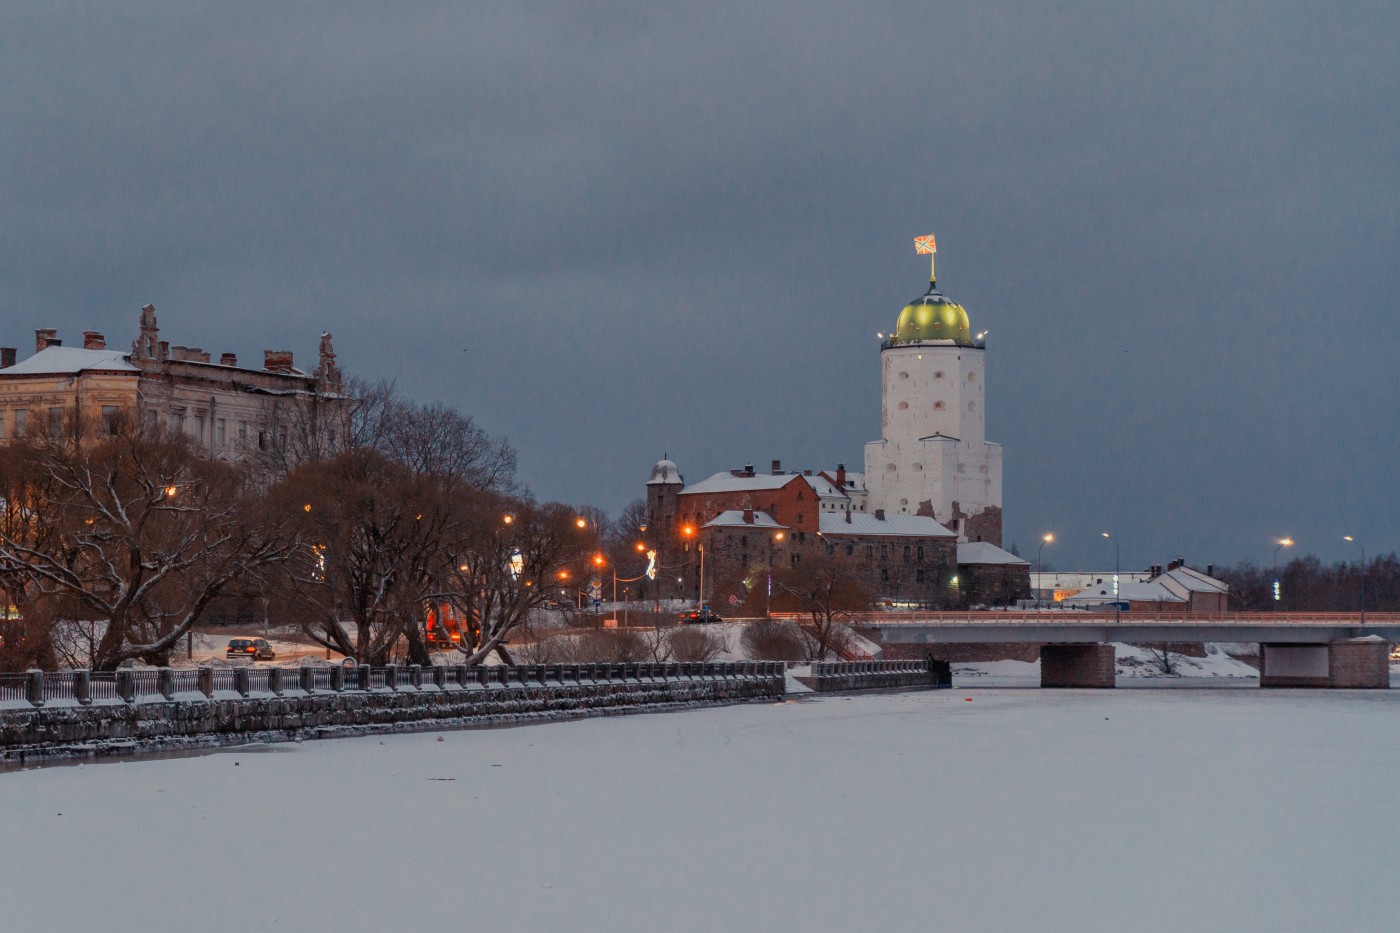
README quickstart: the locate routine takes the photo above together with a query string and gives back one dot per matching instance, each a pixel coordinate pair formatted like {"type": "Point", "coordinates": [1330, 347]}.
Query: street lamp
{"type": "Point", "coordinates": [1117, 564]}
{"type": "Point", "coordinates": [1047, 538]}
{"type": "Point", "coordinates": [1278, 591]}
{"type": "Point", "coordinates": [768, 594]}
{"type": "Point", "coordinates": [1363, 574]}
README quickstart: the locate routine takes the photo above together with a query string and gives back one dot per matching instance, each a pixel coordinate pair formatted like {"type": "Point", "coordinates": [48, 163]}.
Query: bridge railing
{"type": "Point", "coordinates": [1099, 617]}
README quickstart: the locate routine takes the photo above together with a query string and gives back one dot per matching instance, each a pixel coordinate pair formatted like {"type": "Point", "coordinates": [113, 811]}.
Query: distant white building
{"type": "Point", "coordinates": [933, 457]}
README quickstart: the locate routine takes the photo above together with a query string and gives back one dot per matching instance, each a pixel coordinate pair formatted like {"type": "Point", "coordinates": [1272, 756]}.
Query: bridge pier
{"type": "Point", "coordinates": [1343, 664]}
{"type": "Point", "coordinates": [1081, 665]}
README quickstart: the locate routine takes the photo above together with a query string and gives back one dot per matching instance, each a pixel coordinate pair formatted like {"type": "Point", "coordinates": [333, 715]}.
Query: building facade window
{"type": "Point", "coordinates": [21, 421]}
{"type": "Point", "coordinates": [221, 432]}
{"type": "Point", "coordinates": [242, 434]}
{"type": "Point", "coordinates": [55, 419]}
{"type": "Point", "coordinates": [110, 414]}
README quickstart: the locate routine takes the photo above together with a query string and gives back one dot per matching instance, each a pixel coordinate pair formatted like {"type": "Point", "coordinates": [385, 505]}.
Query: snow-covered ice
{"type": "Point", "coordinates": [1016, 810]}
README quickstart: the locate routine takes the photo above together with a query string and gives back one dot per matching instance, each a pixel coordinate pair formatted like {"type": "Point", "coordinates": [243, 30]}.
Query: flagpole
{"type": "Point", "coordinates": [932, 276]}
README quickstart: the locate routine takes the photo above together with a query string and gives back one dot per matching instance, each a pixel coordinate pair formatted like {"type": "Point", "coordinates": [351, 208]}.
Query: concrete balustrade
{"type": "Point", "coordinates": [844, 676]}
{"type": "Point", "coordinates": [283, 703]}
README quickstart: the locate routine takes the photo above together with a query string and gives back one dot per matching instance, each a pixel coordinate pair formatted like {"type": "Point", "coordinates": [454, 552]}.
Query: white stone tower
{"type": "Point", "coordinates": [933, 458]}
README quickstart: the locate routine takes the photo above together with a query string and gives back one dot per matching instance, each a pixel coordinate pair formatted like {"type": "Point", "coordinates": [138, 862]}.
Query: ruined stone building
{"type": "Point", "coordinates": [230, 412]}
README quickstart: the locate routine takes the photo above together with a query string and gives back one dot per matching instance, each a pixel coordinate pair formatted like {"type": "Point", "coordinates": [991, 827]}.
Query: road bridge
{"type": "Point", "coordinates": [1296, 648]}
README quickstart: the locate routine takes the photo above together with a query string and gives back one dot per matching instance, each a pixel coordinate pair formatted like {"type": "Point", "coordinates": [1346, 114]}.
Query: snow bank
{"type": "Point", "coordinates": [1075, 810]}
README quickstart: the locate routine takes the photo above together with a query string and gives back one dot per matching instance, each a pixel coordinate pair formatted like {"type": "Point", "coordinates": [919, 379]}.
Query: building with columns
{"type": "Point", "coordinates": [230, 412]}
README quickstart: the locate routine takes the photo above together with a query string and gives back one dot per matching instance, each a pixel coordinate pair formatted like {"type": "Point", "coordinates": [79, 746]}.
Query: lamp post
{"type": "Point", "coordinates": [1278, 591]}
{"type": "Point", "coordinates": [768, 594]}
{"type": "Point", "coordinates": [1045, 539]}
{"type": "Point", "coordinates": [1117, 564]}
{"type": "Point", "coordinates": [1363, 574]}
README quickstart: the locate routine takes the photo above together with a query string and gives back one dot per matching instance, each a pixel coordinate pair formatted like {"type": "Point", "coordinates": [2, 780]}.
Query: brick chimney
{"type": "Point", "coordinates": [46, 336]}
{"type": "Point", "coordinates": [7, 357]}
{"type": "Point", "coordinates": [777, 468]}
{"type": "Point", "coordinates": [841, 475]}
{"type": "Point", "coordinates": [228, 359]}
{"type": "Point", "coordinates": [748, 516]}
{"type": "Point", "coordinates": [278, 361]}
{"type": "Point", "coordinates": [879, 515]}
{"type": "Point", "coordinates": [92, 340]}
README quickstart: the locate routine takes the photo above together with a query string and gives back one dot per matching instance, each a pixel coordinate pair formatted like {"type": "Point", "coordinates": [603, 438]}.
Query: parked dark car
{"type": "Point", "coordinates": [697, 616]}
{"type": "Point", "coordinates": [254, 649]}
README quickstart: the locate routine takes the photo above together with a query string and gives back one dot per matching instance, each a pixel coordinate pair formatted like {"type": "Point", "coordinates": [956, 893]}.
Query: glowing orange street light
{"type": "Point", "coordinates": [508, 519]}
{"type": "Point", "coordinates": [778, 536]}
{"type": "Point", "coordinates": [170, 491]}
{"type": "Point", "coordinates": [687, 531]}
{"type": "Point", "coordinates": [581, 522]}
{"type": "Point", "coordinates": [306, 508]}
{"type": "Point", "coordinates": [598, 560]}
{"type": "Point", "coordinates": [641, 546]}
{"type": "Point", "coordinates": [563, 574]}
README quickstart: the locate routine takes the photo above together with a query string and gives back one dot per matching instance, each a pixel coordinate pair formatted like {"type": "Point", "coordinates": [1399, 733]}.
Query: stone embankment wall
{"type": "Point", "coordinates": [68, 727]}
{"type": "Point", "coordinates": [829, 676]}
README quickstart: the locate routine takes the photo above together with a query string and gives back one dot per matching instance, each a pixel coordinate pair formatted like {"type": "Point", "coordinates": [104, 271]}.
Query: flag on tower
{"type": "Point", "coordinates": [925, 244]}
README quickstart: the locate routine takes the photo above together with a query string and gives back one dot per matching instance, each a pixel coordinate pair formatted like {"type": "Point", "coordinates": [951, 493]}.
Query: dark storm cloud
{"type": "Point", "coordinates": [677, 228]}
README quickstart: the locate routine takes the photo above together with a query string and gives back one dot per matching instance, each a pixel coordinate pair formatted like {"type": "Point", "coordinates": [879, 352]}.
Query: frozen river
{"type": "Point", "coordinates": [1016, 810]}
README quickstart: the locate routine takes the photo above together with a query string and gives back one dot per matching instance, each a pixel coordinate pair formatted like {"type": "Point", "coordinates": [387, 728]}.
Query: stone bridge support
{"type": "Point", "coordinates": [1349, 663]}
{"type": "Point", "coordinates": [1081, 665]}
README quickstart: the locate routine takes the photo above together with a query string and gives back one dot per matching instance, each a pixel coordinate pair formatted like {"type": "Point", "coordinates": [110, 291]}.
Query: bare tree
{"type": "Point", "coordinates": [821, 587]}
{"type": "Point", "coordinates": [134, 531]}
{"type": "Point", "coordinates": [441, 441]}
{"type": "Point", "coordinates": [379, 539]}
{"type": "Point", "coordinates": [506, 558]}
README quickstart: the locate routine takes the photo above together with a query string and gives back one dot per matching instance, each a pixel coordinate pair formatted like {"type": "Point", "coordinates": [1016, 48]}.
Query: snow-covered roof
{"type": "Point", "coordinates": [728, 482]}
{"type": "Point", "coordinates": [52, 361]}
{"type": "Point", "coordinates": [824, 487]}
{"type": "Point", "coordinates": [985, 552]}
{"type": "Point", "coordinates": [1184, 581]}
{"type": "Point", "coordinates": [865, 525]}
{"type": "Point", "coordinates": [1129, 590]}
{"type": "Point", "coordinates": [665, 473]}
{"type": "Point", "coordinates": [734, 518]}
{"type": "Point", "coordinates": [855, 482]}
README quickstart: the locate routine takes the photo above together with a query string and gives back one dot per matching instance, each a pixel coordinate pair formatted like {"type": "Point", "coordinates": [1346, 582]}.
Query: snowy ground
{"type": "Point", "coordinates": [980, 810]}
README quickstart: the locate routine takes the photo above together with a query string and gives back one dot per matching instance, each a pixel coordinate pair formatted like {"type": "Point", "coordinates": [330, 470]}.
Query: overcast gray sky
{"type": "Point", "coordinates": [614, 231]}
